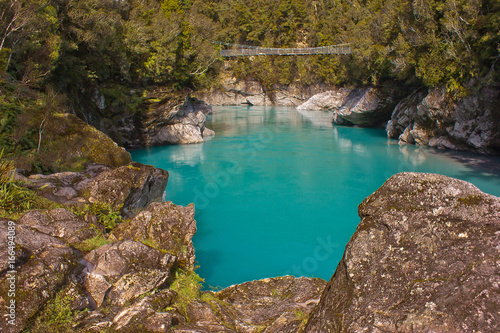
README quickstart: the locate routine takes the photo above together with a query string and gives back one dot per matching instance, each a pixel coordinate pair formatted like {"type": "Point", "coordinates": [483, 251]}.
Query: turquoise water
{"type": "Point", "coordinates": [276, 191]}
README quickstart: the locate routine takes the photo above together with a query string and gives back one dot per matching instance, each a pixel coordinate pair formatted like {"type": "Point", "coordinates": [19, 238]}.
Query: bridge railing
{"type": "Point", "coordinates": [243, 50]}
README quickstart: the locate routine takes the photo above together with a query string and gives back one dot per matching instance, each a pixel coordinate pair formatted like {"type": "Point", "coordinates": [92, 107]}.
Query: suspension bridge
{"type": "Point", "coordinates": [238, 50]}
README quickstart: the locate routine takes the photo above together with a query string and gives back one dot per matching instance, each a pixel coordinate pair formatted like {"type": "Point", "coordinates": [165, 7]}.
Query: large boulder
{"type": "Point", "coordinates": [169, 227]}
{"type": "Point", "coordinates": [179, 124]}
{"type": "Point", "coordinates": [131, 187]}
{"type": "Point", "coordinates": [134, 187]}
{"type": "Point", "coordinates": [42, 265]}
{"type": "Point", "coordinates": [68, 142]}
{"type": "Point", "coordinates": [365, 107]}
{"type": "Point", "coordinates": [328, 100]}
{"type": "Point", "coordinates": [437, 118]}
{"type": "Point", "coordinates": [423, 258]}
{"type": "Point", "coordinates": [122, 271]}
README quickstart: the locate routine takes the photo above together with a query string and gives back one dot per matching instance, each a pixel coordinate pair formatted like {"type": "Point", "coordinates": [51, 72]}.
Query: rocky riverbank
{"type": "Point", "coordinates": [114, 257]}
{"type": "Point", "coordinates": [424, 256]}
{"type": "Point", "coordinates": [432, 117]}
{"type": "Point", "coordinates": [232, 91]}
{"type": "Point", "coordinates": [141, 117]}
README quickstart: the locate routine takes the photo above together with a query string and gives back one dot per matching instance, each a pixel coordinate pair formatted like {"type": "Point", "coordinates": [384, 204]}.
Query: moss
{"type": "Point", "coordinates": [15, 199]}
{"type": "Point", "coordinates": [301, 315]}
{"type": "Point", "coordinates": [152, 243]}
{"type": "Point", "coordinates": [92, 243]}
{"type": "Point", "coordinates": [471, 200]}
{"type": "Point", "coordinates": [107, 215]}
{"type": "Point", "coordinates": [187, 285]}
{"type": "Point", "coordinates": [56, 316]}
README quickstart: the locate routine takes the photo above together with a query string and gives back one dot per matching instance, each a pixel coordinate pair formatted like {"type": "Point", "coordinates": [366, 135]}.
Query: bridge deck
{"type": "Point", "coordinates": [243, 50]}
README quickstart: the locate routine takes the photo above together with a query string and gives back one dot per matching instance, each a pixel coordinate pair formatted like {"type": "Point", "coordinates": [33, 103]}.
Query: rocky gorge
{"type": "Point", "coordinates": [432, 117]}
{"type": "Point", "coordinates": [111, 255]}
{"type": "Point", "coordinates": [424, 257]}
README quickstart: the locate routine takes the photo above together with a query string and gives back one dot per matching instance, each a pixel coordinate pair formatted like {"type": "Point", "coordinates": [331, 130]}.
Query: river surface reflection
{"type": "Point", "coordinates": [276, 190]}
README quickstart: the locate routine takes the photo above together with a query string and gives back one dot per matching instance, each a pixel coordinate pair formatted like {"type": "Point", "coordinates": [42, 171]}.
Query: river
{"type": "Point", "coordinates": [276, 190]}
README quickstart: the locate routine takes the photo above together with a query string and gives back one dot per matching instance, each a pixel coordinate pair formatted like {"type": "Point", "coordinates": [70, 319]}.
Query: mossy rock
{"type": "Point", "coordinates": [72, 143]}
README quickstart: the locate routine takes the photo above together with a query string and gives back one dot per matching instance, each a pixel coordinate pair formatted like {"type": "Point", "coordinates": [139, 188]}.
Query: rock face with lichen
{"type": "Point", "coordinates": [423, 258]}
{"type": "Point", "coordinates": [134, 187]}
{"type": "Point", "coordinates": [365, 107]}
{"type": "Point", "coordinates": [168, 226]}
{"type": "Point", "coordinates": [233, 91]}
{"type": "Point", "coordinates": [438, 119]}
{"type": "Point", "coordinates": [43, 264]}
{"type": "Point", "coordinates": [129, 188]}
{"type": "Point", "coordinates": [120, 272]}
{"type": "Point", "coordinates": [177, 124]}
{"type": "Point", "coordinates": [276, 305]}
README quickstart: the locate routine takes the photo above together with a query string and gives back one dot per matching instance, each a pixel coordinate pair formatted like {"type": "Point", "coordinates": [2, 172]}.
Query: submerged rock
{"type": "Point", "coordinates": [366, 107]}
{"type": "Point", "coordinates": [169, 227]}
{"type": "Point", "coordinates": [438, 119]}
{"type": "Point", "coordinates": [423, 258]}
{"type": "Point", "coordinates": [179, 124]}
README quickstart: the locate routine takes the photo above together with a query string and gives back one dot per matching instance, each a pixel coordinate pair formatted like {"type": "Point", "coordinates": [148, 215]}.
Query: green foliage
{"type": "Point", "coordinates": [80, 46]}
{"type": "Point", "coordinates": [92, 243]}
{"type": "Point", "coordinates": [57, 316]}
{"type": "Point", "coordinates": [105, 213]}
{"type": "Point", "coordinates": [187, 284]}
{"type": "Point", "coordinates": [14, 198]}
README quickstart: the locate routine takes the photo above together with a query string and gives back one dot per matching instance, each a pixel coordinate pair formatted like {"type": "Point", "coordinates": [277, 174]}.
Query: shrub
{"type": "Point", "coordinates": [15, 199]}
{"type": "Point", "coordinates": [105, 213]}
{"type": "Point", "coordinates": [57, 316]}
{"type": "Point", "coordinates": [187, 284]}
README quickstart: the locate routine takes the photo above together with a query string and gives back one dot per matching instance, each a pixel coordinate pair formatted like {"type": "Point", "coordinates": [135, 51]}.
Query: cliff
{"type": "Point", "coordinates": [430, 117]}
{"type": "Point", "coordinates": [436, 118]}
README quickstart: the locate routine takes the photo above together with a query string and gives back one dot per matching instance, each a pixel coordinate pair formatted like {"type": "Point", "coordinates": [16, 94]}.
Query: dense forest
{"type": "Point", "coordinates": [52, 51]}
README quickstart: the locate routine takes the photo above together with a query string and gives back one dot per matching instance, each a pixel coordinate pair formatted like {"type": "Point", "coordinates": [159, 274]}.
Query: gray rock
{"type": "Point", "coordinates": [43, 265]}
{"type": "Point", "coordinates": [168, 226]}
{"type": "Point", "coordinates": [328, 100]}
{"type": "Point", "coordinates": [439, 119]}
{"type": "Point", "coordinates": [59, 223]}
{"type": "Point", "coordinates": [181, 124]}
{"type": "Point", "coordinates": [97, 286]}
{"type": "Point", "coordinates": [250, 92]}
{"type": "Point", "coordinates": [131, 268]}
{"type": "Point", "coordinates": [134, 187]}
{"type": "Point", "coordinates": [366, 107]}
{"type": "Point", "coordinates": [423, 258]}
